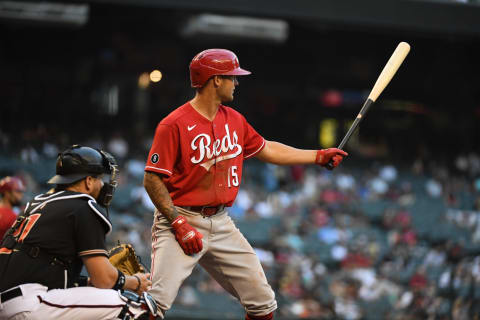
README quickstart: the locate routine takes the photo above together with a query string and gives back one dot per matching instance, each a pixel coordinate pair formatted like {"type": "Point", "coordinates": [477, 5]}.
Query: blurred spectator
{"type": "Point", "coordinates": [378, 186]}
{"type": "Point", "coordinates": [50, 150]}
{"type": "Point", "coordinates": [435, 257]}
{"type": "Point", "coordinates": [118, 146]}
{"type": "Point", "coordinates": [356, 258]}
{"type": "Point", "coordinates": [388, 173]}
{"type": "Point", "coordinates": [346, 303]}
{"type": "Point", "coordinates": [11, 189]}
{"type": "Point", "coordinates": [418, 281]}
{"type": "Point", "coordinates": [28, 154]}
{"type": "Point", "coordinates": [434, 188]}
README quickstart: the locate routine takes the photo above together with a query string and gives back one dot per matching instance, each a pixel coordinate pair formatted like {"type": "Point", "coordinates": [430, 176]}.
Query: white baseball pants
{"type": "Point", "coordinates": [82, 303]}
{"type": "Point", "coordinates": [226, 256]}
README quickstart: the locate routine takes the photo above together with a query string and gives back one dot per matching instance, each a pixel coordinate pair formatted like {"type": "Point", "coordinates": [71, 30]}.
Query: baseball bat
{"type": "Point", "coordinates": [382, 81]}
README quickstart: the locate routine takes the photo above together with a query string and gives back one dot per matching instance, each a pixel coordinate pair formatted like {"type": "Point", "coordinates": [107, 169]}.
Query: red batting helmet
{"type": "Point", "coordinates": [213, 62]}
{"type": "Point", "coordinates": [11, 184]}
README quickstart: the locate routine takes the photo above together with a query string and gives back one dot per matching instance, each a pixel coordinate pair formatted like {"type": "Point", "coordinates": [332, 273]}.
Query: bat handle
{"type": "Point", "coordinates": [329, 165]}
{"type": "Point", "coordinates": [354, 126]}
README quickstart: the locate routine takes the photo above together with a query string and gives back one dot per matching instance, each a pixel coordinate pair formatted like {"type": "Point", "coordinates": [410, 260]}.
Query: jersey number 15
{"type": "Point", "coordinates": [232, 177]}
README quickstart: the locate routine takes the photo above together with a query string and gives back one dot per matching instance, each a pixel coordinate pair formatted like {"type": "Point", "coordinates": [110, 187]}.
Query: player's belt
{"type": "Point", "coordinates": [10, 294]}
{"type": "Point", "coordinates": [206, 210]}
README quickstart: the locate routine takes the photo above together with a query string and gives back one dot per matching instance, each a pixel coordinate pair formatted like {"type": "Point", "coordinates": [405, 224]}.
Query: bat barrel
{"type": "Point", "coordinates": [383, 79]}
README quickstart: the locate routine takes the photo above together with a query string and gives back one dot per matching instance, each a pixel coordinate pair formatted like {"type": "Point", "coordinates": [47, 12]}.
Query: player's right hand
{"type": "Point", "coordinates": [145, 282]}
{"type": "Point", "coordinates": [187, 236]}
{"type": "Point", "coordinates": [325, 155]}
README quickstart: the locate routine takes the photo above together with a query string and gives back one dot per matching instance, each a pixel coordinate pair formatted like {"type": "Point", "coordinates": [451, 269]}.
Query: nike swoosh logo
{"type": "Point", "coordinates": [191, 128]}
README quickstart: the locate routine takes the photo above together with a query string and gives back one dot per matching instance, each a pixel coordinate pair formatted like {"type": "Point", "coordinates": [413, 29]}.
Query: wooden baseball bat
{"type": "Point", "coordinates": [383, 80]}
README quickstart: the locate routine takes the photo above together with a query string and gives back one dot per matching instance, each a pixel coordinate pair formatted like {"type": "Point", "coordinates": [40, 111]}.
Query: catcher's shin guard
{"type": "Point", "coordinates": [133, 300]}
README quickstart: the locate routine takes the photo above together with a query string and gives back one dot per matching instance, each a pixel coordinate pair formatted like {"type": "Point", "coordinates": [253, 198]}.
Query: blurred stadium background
{"type": "Point", "coordinates": [394, 233]}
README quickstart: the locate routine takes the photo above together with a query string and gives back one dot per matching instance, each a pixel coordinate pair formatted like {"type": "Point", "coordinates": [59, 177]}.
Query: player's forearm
{"type": "Point", "coordinates": [279, 153]}
{"type": "Point", "coordinates": [104, 275]}
{"type": "Point", "coordinates": [159, 195]}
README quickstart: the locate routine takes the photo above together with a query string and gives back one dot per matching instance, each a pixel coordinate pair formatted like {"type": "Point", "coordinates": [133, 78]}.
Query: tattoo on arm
{"type": "Point", "coordinates": [159, 195]}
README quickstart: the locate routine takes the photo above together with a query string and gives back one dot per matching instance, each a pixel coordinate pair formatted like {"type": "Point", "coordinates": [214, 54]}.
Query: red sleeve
{"type": "Point", "coordinates": [164, 151]}
{"type": "Point", "coordinates": [254, 142]}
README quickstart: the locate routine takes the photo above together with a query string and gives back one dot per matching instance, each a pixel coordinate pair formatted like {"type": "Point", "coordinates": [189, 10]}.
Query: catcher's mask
{"type": "Point", "coordinates": [78, 162]}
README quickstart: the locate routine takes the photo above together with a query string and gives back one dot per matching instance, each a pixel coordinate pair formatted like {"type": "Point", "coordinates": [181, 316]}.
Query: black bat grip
{"type": "Point", "coordinates": [352, 128]}
{"type": "Point", "coordinates": [329, 165]}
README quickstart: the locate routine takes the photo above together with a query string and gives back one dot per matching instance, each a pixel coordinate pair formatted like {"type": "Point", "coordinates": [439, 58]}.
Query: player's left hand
{"type": "Point", "coordinates": [187, 236]}
{"type": "Point", "coordinates": [325, 155]}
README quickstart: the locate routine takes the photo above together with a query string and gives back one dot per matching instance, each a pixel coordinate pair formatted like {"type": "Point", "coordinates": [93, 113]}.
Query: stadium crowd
{"type": "Point", "coordinates": [369, 240]}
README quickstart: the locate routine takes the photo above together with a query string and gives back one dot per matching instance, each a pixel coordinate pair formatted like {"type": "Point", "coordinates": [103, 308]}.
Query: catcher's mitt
{"type": "Point", "coordinates": [123, 257]}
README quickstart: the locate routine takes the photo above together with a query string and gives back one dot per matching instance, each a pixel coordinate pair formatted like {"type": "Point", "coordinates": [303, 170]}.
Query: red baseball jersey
{"type": "Point", "coordinates": [7, 217]}
{"type": "Point", "coordinates": [202, 159]}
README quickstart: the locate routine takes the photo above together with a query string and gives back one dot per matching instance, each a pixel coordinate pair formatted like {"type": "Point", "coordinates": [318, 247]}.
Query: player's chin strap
{"type": "Point", "coordinates": [144, 301]}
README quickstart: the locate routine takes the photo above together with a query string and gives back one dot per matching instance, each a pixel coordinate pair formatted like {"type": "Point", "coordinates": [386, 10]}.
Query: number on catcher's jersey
{"type": "Point", "coordinates": [26, 226]}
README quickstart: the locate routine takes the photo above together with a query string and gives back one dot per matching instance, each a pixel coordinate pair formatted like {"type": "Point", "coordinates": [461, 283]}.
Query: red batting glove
{"type": "Point", "coordinates": [325, 155]}
{"type": "Point", "coordinates": [187, 236]}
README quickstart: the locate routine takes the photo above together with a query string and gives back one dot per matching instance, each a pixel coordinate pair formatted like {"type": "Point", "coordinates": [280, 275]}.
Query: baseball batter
{"type": "Point", "coordinates": [42, 255]}
{"type": "Point", "coordinates": [192, 175]}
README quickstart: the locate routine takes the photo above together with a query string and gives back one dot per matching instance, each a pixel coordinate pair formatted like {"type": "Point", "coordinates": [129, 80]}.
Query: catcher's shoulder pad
{"type": "Point", "coordinates": [40, 201]}
{"type": "Point", "coordinates": [102, 214]}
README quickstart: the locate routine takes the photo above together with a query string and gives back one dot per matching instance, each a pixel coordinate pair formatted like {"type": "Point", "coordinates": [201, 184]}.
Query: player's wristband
{"type": "Point", "coordinates": [139, 283]}
{"type": "Point", "coordinates": [120, 281]}
{"type": "Point", "coordinates": [319, 156]}
{"type": "Point", "coordinates": [180, 220]}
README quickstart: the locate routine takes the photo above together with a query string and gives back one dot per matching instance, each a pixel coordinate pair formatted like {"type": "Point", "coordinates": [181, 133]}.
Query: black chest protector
{"type": "Point", "coordinates": [42, 246]}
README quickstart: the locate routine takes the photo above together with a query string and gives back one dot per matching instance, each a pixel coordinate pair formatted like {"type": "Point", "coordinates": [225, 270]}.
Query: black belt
{"type": "Point", "coordinates": [206, 210]}
{"type": "Point", "coordinates": [10, 294]}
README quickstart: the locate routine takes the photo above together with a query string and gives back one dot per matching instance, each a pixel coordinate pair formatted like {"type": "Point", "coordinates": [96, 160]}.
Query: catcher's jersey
{"type": "Point", "coordinates": [66, 225]}
{"type": "Point", "coordinates": [203, 159]}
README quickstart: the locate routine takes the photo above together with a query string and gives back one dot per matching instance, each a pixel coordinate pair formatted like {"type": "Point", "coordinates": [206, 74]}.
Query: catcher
{"type": "Point", "coordinates": [42, 255]}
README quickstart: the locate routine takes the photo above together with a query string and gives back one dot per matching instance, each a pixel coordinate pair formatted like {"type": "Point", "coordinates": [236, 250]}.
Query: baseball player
{"type": "Point", "coordinates": [42, 255]}
{"type": "Point", "coordinates": [192, 175]}
{"type": "Point", "coordinates": [11, 189]}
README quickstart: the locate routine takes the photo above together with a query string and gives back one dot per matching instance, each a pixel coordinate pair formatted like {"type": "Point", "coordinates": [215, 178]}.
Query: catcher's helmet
{"type": "Point", "coordinates": [214, 62]}
{"type": "Point", "coordinates": [11, 184]}
{"type": "Point", "coordinates": [78, 162]}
